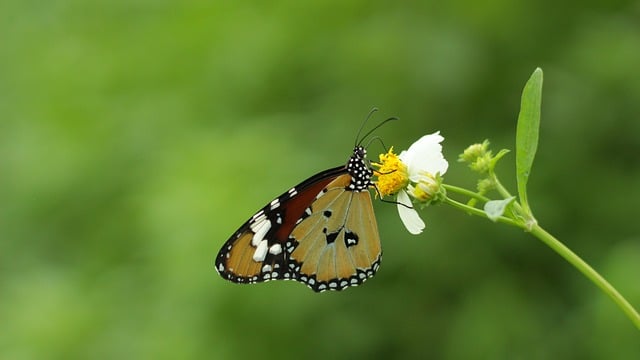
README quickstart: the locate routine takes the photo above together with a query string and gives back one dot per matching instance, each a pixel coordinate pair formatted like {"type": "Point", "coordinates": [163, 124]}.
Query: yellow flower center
{"type": "Point", "coordinates": [391, 173]}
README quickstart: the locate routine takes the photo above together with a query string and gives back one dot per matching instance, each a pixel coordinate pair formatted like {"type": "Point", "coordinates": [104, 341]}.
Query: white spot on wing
{"type": "Point", "coordinates": [260, 230]}
{"type": "Point", "coordinates": [275, 249]}
{"type": "Point", "coordinates": [275, 204]}
{"type": "Point", "coordinates": [259, 216]}
{"type": "Point", "coordinates": [321, 193]}
{"type": "Point", "coordinates": [260, 252]}
{"type": "Point", "coordinates": [351, 241]}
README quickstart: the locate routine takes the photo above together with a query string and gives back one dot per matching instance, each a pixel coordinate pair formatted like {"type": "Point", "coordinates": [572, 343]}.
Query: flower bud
{"type": "Point", "coordinates": [473, 152]}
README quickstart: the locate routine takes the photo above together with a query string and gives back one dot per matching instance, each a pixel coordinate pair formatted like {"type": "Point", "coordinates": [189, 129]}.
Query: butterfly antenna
{"type": "Point", "coordinates": [375, 128]}
{"type": "Point", "coordinates": [373, 110]}
{"type": "Point", "coordinates": [379, 139]}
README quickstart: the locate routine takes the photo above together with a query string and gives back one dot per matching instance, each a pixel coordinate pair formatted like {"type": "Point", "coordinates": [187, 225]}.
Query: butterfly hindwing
{"type": "Point", "coordinates": [322, 232]}
{"type": "Point", "coordinates": [338, 245]}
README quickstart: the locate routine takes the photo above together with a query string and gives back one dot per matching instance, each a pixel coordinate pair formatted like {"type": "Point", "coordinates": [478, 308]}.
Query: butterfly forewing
{"type": "Point", "coordinates": [322, 232]}
{"type": "Point", "coordinates": [235, 260]}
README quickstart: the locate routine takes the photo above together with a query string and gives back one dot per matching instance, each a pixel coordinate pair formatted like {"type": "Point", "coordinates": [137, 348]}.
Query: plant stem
{"type": "Point", "coordinates": [465, 192]}
{"type": "Point", "coordinates": [501, 189]}
{"type": "Point", "coordinates": [549, 240]}
{"type": "Point", "coordinates": [588, 271]}
{"type": "Point", "coordinates": [520, 211]}
{"type": "Point", "coordinates": [478, 212]}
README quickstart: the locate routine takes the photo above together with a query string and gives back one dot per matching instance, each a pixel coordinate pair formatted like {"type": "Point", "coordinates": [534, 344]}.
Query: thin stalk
{"type": "Point", "coordinates": [465, 192]}
{"type": "Point", "coordinates": [478, 212]}
{"type": "Point", "coordinates": [587, 271]}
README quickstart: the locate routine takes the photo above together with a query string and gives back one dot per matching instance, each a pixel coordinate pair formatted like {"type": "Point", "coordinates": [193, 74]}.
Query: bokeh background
{"type": "Point", "coordinates": [136, 136]}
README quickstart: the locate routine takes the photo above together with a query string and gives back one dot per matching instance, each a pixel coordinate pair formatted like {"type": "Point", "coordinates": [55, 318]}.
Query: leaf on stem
{"type": "Point", "coordinates": [495, 208]}
{"type": "Point", "coordinates": [527, 134]}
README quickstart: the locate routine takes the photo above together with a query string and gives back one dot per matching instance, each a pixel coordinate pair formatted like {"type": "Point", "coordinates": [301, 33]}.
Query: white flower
{"type": "Point", "coordinates": [415, 173]}
{"type": "Point", "coordinates": [425, 156]}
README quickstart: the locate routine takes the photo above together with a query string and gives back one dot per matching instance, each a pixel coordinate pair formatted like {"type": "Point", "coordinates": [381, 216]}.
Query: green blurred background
{"type": "Point", "coordinates": [136, 136]}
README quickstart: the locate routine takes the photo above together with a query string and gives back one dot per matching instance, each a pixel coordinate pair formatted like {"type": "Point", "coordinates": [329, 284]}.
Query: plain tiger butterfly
{"type": "Point", "coordinates": [322, 232]}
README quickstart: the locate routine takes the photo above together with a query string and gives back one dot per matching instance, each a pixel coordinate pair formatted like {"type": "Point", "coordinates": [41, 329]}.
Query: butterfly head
{"type": "Point", "coordinates": [359, 170]}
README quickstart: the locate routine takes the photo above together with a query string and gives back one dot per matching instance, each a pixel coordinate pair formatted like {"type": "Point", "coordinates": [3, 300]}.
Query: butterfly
{"type": "Point", "coordinates": [321, 232]}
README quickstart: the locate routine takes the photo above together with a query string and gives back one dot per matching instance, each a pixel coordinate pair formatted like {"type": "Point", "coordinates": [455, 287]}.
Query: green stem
{"type": "Point", "coordinates": [501, 189]}
{"type": "Point", "coordinates": [526, 215]}
{"type": "Point", "coordinates": [478, 212]}
{"type": "Point", "coordinates": [588, 271]}
{"type": "Point", "coordinates": [550, 241]}
{"type": "Point", "coordinates": [465, 192]}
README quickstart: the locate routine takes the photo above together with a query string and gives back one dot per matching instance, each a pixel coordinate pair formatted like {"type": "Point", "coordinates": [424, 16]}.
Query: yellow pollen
{"type": "Point", "coordinates": [391, 173]}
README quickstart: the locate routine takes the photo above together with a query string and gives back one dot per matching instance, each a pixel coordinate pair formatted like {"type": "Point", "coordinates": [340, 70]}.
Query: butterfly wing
{"type": "Point", "coordinates": [322, 232]}
{"type": "Point", "coordinates": [338, 244]}
{"type": "Point", "coordinates": [270, 227]}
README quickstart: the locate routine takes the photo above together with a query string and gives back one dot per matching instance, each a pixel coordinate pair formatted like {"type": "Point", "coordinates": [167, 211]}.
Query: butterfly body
{"type": "Point", "coordinates": [322, 233]}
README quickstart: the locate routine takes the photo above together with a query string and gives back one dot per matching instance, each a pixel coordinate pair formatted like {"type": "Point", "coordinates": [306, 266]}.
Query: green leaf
{"type": "Point", "coordinates": [495, 208]}
{"type": "Point", "coordinates": [497, 158]}
{"type": "Point", "coordinates": [527, 134]}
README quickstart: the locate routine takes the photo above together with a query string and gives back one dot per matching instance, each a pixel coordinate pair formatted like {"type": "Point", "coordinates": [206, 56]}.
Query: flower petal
{"type": "Point", "coordinates": [425, 155]}
{"type": "Point", "coordinates": [409, 216]}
